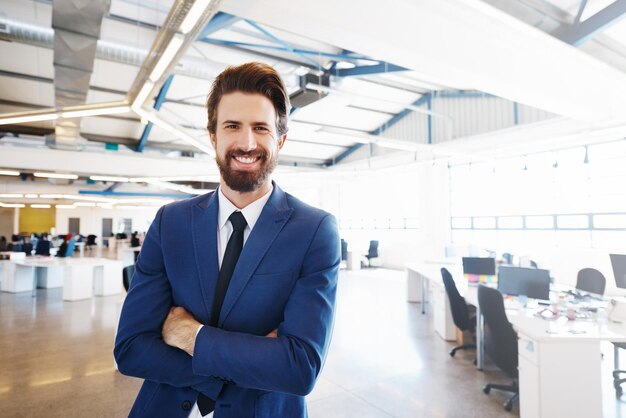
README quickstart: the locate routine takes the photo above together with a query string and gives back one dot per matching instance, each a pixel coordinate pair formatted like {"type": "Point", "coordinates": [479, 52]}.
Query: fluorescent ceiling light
{"type": "Point", "coordinates": [40, 206]}
{"type": "Point", "coordinates": [51, 196]}
{"type": "Point", "coordinates": [11, 205]}
{"type": "Point", "coordinates": [109, 178]}
{"type": "Point", "coordinates": [28, 118]}
{"type": "Point", "coordinates": [31, 196]}
{"type": "Point", "coordinates": [57, 176]}
{"type": "Point", "coordinates": [86, 204]}
{"type": "Point", "coordinates": [9, 173]}
{"type": "Point", "coordinates": [166, 58]}
{"type": "Point", "coordinates": [95, 112]}
{"type": "Point", "coordinates": [141, 179]}
{"type": "Point", "coordinates": [11, 195]}
{"type": "Point", "coordinates": [65, 207]}
{"type": "Point", "coordinates": [88, 198]}
{"type": "Point", "coordinates": [194, 14]}
{"type": "Point", "coordinates": [152, 117]}
{"type": "Point", "coordinates": [136, 207]}
{"type": "Point", "coordinates": [142, 95]}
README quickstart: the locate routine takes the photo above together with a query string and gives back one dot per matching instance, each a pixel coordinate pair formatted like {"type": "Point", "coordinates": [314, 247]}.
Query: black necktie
{"type": "Point", "coordinates": [231, 255]}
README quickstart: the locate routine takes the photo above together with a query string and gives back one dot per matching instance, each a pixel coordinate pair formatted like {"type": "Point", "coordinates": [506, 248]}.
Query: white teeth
{"type": "Point", "coordinates": [245, 160]}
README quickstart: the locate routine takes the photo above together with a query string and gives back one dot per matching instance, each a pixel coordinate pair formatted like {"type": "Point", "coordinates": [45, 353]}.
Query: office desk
{"type": "Point", "coordinates": [424, 279]}
{"type": "Point", "coordinates": [81, 278]}
{"type": "Point", "coordinates": [559, 360]}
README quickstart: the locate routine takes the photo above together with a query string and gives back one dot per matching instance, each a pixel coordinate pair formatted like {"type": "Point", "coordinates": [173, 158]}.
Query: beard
{"type": "Point", "coordinates": [246, 181]}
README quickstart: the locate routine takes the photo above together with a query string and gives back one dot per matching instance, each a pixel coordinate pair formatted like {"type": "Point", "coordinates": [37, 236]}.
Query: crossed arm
{"type": "Point", "coordinates": [159, 343]}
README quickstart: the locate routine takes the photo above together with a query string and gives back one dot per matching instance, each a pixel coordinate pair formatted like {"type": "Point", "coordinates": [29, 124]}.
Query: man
{"type": "Point", "coordinates": [250, 343]}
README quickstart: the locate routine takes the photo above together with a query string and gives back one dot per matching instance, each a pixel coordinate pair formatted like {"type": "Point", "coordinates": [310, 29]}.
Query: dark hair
{"type": "Point", "coordinates": [253, 77]}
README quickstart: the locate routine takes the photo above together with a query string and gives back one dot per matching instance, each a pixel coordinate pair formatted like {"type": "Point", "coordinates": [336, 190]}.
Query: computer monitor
{"type": "Point", "coordinates": [532, 282]}
{"type": "Point", "coordinates": [618, 261]}
{"type": "Point", "coordinates": [481, 269]}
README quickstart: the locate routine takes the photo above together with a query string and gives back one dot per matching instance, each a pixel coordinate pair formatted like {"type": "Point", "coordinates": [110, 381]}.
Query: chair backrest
{"type": "Point", "coordinates": [43, 248]}
{"type": "Point", "coordinates": [501, 344]}
{"type": "Point", "coordinates": [91, 240]}
{"type": "Point", "coordinates": [507, 258]}
{"type": "Point", "coordinates": [71, 244]}
{"type": "Point", "coordinates": [127, 276]}
{"type": "Point", "coordinates": [344, 249]}
{"type": "Point", "coordinates": [591, 280]}
{"type": "Point", "coordinates": [373, 250]}
{"type": "Point", "coordinates": [460, 313]}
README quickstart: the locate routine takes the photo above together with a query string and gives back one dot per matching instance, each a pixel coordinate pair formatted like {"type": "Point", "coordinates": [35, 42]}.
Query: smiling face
{"type": "Point", "coordinates": [246, 142]}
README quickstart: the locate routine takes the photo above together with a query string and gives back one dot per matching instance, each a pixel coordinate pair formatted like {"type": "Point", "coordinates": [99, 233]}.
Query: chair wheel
{"type": "Point", "coordinates": [487, 389]}
{"type": "Point", "coordinates": [452, 353]}
{"type": "Point", "coordinates": [508, 406]}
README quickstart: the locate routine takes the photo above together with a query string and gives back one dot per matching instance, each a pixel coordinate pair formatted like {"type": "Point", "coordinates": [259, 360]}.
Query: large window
{"type": "Point", "coordinates": [573, 197]}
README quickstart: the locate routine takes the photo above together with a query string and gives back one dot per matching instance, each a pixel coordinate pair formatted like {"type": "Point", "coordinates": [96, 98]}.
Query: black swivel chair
{"type": "Point", "coordinates": [501, 344]}
{"type": "Point", "coordinates": [91, 241]}
{"type": "Point", "coordinates": [43, 247]}
{"type": "Point", "coordinates": [591, 280]}
{"type": "Point", "coordinates": [460, 311]}
{"type": "Point", "coordinates": [372, 252]}
{"type": "Point", "coordinates": [127, 276]}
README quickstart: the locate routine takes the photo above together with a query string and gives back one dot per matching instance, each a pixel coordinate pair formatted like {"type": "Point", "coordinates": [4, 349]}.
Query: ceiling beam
{"type": "Point", "coordinates": [578, 34]}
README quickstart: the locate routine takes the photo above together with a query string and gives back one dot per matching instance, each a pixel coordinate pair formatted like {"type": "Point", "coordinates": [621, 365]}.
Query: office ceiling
{"type": "Point", "coordinates": [363, 71]}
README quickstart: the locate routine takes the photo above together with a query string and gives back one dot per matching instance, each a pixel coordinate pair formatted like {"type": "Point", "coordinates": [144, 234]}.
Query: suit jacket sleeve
{"type": "Point", "coordinates": [139, 347]}
{"type": "Point", "coordinates": [291, 362]}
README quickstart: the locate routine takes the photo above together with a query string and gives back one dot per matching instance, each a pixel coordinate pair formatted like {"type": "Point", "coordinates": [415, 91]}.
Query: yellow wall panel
{"type": "Point", "coordinates": [36, 220]}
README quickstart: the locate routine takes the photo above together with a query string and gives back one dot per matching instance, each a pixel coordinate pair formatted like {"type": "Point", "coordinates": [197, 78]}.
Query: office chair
{"type": "Point", "coordinates": [372, 252]}
{"type": "Point", "coordinates": [501, 345]}
{"type": "Point", "coordinates": [507, 258]}
{"type": "Point", "coordinates": [591, 280]}
{"type": "Point", "coordinates": [43, 247]}
{"type": "Point", "coordinates": [460, 311]}
{"type": "Point", "coordinates": [344, 250]}
{"type": "Point", "coordinates": [127, 276]}
{"type": "Point", "coordinates": [91, 241]}
{"type": "Point", "coordinates": [71, 244]}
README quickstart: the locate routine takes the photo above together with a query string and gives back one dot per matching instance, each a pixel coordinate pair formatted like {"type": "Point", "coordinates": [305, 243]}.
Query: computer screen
{"type": "Point", "coordinates": [534, 283]}
{"type": "Point", "coordinates": [481, 269]}
{"type": "Point", "coordinates": [618, 261]}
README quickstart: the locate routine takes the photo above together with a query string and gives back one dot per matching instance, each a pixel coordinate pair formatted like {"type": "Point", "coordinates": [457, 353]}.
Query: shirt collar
{"type": "Point", "coordinates": [252, 212]}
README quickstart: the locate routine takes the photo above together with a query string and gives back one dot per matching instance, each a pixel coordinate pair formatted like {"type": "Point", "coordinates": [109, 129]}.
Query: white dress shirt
{"type": "Point", "coordinates": [252, 212]}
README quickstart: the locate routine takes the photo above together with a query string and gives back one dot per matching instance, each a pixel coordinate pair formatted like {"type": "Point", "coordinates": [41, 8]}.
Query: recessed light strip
{"type": "Point", "coordinates": [56, 176]}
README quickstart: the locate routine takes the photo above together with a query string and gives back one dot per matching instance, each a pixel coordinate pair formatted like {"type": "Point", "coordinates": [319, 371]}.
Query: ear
{"type": "Point", "coordinates": [213, 139]}
{"type": "Point", "coordinates": [281, 141]}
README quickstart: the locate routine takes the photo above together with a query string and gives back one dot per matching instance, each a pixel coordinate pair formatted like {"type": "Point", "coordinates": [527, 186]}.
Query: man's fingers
{"type": "Point", "coordinates": [273, 334]}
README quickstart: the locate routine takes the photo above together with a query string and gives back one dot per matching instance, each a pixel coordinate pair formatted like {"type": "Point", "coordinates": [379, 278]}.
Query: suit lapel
{"type": "Point", "coordinates": [204, 235]}
{"type": "Point", "coordinates": [274, 216]}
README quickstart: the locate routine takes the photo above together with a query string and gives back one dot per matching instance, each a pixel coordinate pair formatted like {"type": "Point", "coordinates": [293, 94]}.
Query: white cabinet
{"type": "Point", "coordinates": [555, 378]}
{"type": "Point", "coordinates": [442, 315]}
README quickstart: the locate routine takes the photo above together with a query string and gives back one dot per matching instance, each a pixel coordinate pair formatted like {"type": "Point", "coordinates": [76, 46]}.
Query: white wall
{"type": "Point", "coordinates": [378, 204]}
{"type": "Point", "coordinates": [91, 219]}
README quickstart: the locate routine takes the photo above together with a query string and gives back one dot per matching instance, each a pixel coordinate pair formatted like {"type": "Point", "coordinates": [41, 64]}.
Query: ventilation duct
{"type": "Point", "coordinates": [305, 96]}
{"type": "Point", "coordinates": [76, 25]}
{"type": "Point", "coordinates": [17, 31]}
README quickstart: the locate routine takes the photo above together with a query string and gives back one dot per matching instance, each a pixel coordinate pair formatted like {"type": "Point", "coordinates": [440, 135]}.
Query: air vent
{"type": "Point", "coordinates": [4, 27]}
{"type": "Point", "coordinates": [305, 96]}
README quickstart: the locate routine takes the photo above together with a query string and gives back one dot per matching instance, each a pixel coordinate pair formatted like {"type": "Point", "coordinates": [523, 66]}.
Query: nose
{"type": "Point", "coordinates": [247, 141]}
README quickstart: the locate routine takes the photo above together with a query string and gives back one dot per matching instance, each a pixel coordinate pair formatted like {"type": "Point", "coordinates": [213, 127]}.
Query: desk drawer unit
{"type": "Point", "coordinates": [559, 378]}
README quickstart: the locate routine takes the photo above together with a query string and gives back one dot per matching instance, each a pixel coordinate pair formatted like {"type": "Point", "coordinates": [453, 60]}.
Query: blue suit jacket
{"type": "Point", "coordinates": [285, 278]}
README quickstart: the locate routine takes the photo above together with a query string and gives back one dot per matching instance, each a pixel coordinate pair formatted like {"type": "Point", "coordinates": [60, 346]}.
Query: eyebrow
{"type": "Point", "coordinates": [237, 122]}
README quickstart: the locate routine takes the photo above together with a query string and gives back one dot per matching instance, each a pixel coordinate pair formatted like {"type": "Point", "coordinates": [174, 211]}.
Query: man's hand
{"type": "Point", "coordinates": [273, 334]}
{"type": "Point", "coordinates": [179, 329]}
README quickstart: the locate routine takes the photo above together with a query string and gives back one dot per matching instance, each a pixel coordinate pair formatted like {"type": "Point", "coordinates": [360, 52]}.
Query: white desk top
{"type": "Point", "coordinates": [524, 320]}
{"type": "Point", "coordinates": [62, 261]}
